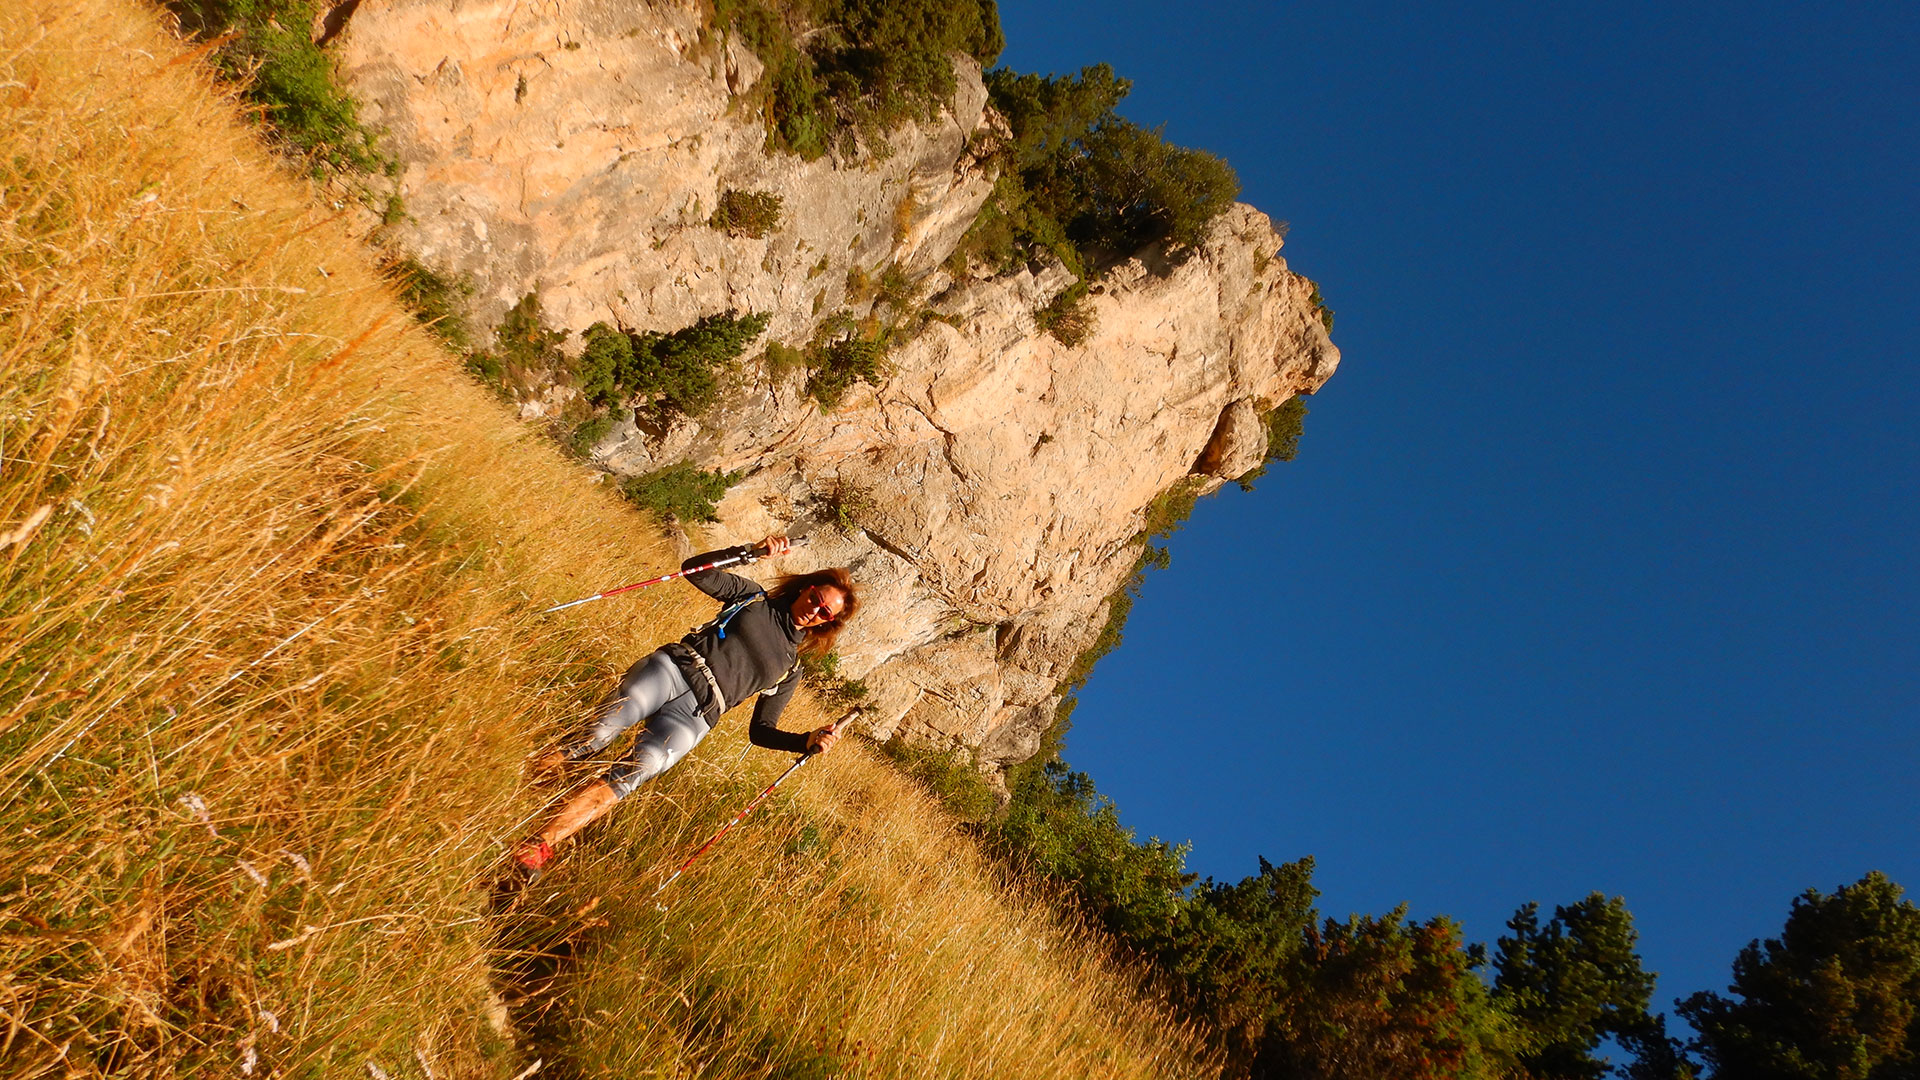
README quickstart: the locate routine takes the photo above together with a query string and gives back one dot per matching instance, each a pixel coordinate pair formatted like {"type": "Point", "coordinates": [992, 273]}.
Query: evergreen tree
{"type": "Point", "coordinates": [1571, 983]}
{"type": "Point", "coordinates": [1085, 182]}
{"type": "Point", "coordinates": [1059, 826]}
{"type": "Point", "coordinates": [1233, 949]}
{"type": "Point", "coordinates": [1385, 997]}
{"type": "Point", "coordinates": [1049, 113]}
{"type": "Point", "coordinates": [683, 367]}
{"type": "Point", "coordinates": [1835, 997]}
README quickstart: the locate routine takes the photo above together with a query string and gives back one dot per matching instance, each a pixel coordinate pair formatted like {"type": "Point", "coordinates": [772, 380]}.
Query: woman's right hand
{"type": "Point", "coordinates": [775, 546]}
{"type": "Point", "coordinates": [821, 740]}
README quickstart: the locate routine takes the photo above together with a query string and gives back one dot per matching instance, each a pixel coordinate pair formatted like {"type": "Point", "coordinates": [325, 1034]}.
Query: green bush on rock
{"type": "Point", "coordinates": [683, 492]}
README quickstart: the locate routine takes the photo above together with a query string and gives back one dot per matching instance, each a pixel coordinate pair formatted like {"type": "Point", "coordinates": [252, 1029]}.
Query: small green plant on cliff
{"type": "Point", "coordinates": [522, 343]}
{"type": "Point", "coordinates": [1069, 317]}
{"type": "Point", "coordinates": [823, 676]}
{"type": "Point", "coordinates": [895, 289]}
{"type": "Point", "coordinates": [842, 71]}
{"type": "Point", "coordinates": [523, 349]}
{"type": "Point", "coordinates": [438, 300]}
{"type": "Point", "coordinates": [682, 492]}
{"type": "Point", "coordinates": [1163, 517]}
{"type": "Point", "coordinates": [846, 504]}
{"type": "Point", "coordinates": [750, 214]}
{"type": "Point", "coordinates": [268, 48]}
{"type": "Point", "coordinates": [1320, 307]}
{"type": "Point", "coordinates": [1169, 510]}
{"type": "Point", "coordinates": [587, 434]}
{"type": "Point", "coordinates": [1284, 427]}
{"type": "Point", "coordinates": [843, 353]}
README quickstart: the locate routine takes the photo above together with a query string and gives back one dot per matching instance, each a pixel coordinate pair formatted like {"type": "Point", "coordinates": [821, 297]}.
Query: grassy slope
{"type": "Point", "coordinates": [282, 571]}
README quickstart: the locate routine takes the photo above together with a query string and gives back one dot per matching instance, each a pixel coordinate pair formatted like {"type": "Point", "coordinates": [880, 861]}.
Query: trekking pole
{"type": "Point", "coordinates": [751, 555]}
{"type": "Point", "coordinates": [757, 799]}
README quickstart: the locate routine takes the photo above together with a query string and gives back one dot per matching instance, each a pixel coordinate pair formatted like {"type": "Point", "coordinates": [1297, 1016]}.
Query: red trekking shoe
{"type": "Point", "coordinates": [530, 860]}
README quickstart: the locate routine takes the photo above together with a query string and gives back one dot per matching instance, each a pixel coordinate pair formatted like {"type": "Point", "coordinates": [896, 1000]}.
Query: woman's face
{"type": "Point", "coordinates": [818, 604]}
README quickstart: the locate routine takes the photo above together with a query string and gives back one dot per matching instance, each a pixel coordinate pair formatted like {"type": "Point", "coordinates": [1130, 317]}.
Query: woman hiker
{"type": "Point", "coordinates": [753, 646]}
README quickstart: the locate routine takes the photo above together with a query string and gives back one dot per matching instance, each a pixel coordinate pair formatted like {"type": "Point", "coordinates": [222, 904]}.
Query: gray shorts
{"type": "Point", "coordinates": [655, 691]}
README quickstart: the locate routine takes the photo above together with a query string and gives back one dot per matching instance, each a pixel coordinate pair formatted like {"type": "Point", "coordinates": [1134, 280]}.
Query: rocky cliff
{"type": "Point", "coordinates": [990, 491]}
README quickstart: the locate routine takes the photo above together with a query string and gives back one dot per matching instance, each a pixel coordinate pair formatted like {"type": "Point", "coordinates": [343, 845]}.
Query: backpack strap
{"type": "Point", "coordinates": [718, 624]}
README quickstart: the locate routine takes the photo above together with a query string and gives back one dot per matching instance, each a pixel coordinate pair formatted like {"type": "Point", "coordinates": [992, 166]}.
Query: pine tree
{"type": "Point", "coordinates": [1571, 983]}
{"type": "Point", "coordinates": [1835, 997]}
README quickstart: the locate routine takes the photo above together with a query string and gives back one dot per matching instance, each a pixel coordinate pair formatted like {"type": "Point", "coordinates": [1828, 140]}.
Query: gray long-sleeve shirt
{"type": "Point", "coordinates": [759, 653]}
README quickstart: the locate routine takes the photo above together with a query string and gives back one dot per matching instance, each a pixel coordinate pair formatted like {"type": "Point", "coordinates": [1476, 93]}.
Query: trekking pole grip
{"type": "Point", "coordinates": [761, 551]}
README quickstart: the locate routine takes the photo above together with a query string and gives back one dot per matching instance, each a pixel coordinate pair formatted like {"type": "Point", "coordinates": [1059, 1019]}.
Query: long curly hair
{"type": "Point", "coordinates": [820, 638]}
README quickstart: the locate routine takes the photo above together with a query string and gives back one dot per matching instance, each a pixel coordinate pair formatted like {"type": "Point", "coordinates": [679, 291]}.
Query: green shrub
{"type": "Point", "coordinates": [866, 65]}
{"type": "Point", "coordinates": [1163, 517]}
{"type": "Point", "coordinates": [843, 363]}
{"type": "Point", "coordinates": [1057, 825]}
{"type": "Point", "coordinates": [846, 504]}
{"type": "Point", "coordinates": [522, 349]}
{"type": "Point", "coordinates": [681, 370]}
{"type": "Point", "coordinates": [781, 358]}
{"type": "Point", "coordinates": [1284, 427]}
{"type": "Point", "coordinates": [1320, 307]}
{"type": "Point", "coordinates": [683, 367]}
{"type": "Point", "coordinates": [1119, 606]}
{"type": "Point", "coordinates": [1170, 509]}
{"type": "Point", "coordinates": [860, 286]}
{"type": "Point", "coordinates": [894, 288]}
{"type": "Point", "coordinates": [823, 674]}
{"type": "Point", "coordinates": [752, 214]}
{"type": "Point", "coordinates": [280, 69]}
{"type": "Point", "coordinates": [588, 433]}
{"type": "Point", "coordinates": [842, 354]}
{"type": "Point", "coordinates": [438, 300]}
{"type": "Point", "coordinates": [523, 343]}
{"type": "Point", "coordinates": [948, 774]}
{"type": "Point", "coordinates": [682, 492]}
{"type": "Point", "coordinates": [596, 372]}
{"type": "Point", "coordinates": [1070, 316]}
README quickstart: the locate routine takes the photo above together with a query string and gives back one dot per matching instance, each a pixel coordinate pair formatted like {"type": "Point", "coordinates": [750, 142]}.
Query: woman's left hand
{"type": "Point", "coordinates": [821, 740]}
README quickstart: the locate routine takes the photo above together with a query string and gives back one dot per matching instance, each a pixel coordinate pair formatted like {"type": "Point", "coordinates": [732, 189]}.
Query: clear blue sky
{"type": "Point", "coordinates": [1597, 569]}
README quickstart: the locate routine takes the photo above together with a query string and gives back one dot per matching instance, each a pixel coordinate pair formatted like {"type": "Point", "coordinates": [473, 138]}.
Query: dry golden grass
{"type": "Point", "coordinates": [268, 671]}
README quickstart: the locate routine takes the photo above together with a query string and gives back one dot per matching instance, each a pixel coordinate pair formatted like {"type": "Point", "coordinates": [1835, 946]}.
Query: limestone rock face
{"type": "Point", "coordinates": [579, 147]}
{"type": "Point", "coordinates": [1238, 445]}
{"type": "Point", "coordinates": [989, 494]}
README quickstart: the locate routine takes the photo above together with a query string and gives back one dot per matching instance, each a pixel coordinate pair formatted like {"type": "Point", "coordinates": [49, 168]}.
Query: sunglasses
{"type": "Point", "coordinates": [813, 603]}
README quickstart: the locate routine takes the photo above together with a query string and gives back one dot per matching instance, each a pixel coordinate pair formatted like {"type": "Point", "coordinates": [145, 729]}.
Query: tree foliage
{"type": "Point", "coordinates": [1057, 825]}
{"type": "Point", "coordinates": [1087, 185]}
{"type": "Point", "coordinates": [842, 70]}
{"type": "Point", "coordinates": [1236, 949]}
{"type": "Point", "coordinates": [682, 492]}
{"type": "Point", "coordinates": [1571, 983]}
{"type": "Point", "coordinates": [1384, 997]}
{"type": "Point", "coordinates": [1123, 186]}
{"type": "Point", "coordinates": [1835, 997]}
{"type": "Point", "coordinates": [680, 370]}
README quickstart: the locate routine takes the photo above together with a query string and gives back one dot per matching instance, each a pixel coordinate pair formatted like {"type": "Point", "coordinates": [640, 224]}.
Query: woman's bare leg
{"type": "Point", "coordinates": [578, 812]}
